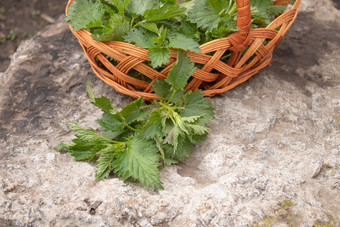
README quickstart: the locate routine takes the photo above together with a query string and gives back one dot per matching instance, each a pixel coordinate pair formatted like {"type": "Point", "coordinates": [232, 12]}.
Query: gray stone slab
{"type": "Point", "coordinates": [272, 156]}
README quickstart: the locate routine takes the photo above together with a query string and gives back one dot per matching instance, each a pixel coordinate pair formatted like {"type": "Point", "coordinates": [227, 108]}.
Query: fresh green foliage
{"type": "Point", "coordinates": [138, 7]}
{"type": "Point", "coordinates": [85, 14]}
{"type": "Point", "coordinates": [159, 25]}
{"type": "Point", "coordinates": [106, 160]}
{"type": "Point", "coordinates": [158, 55]}
{"type": "Point", "coordinates": [164, 11]}
{"type": "Point", "coordinates": [204, 15]}
{"type": "Point", "coordinates": [263, 12]}
{"type": "Point", "coordinates": [140, 160]}
{"type": "Point", "coordinates": [120, 5]}
{"type": "Point", "coordinates": [133, 111]}
{"type": "Point", "coordinates": [180, 72]}
{"type": "Point", "coordinates": [136, 140]}
{"type": "Point", "coordinates": [141, 37]}
{"type": "Point", "coordinates": [181, 41]}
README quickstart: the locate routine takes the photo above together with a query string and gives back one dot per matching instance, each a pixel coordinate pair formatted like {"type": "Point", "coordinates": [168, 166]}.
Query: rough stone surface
{"type": "Point", "coordinates": [272, 156]}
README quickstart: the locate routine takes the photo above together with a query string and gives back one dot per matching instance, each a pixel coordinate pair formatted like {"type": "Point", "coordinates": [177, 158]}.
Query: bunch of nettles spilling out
{"type": "Point", "coordinates": [138, 139]}
{"type": "Point", "coordinates": [159, 25]}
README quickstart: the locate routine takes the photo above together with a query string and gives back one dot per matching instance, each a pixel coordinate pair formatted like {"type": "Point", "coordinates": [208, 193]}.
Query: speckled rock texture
{"type": "Point", "coordinates": [272, 157]}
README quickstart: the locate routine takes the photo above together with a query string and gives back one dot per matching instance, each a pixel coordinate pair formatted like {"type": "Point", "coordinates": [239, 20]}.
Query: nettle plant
{"type": "Point", "coordinates": [135, 141]}
{"type": "Point", "coordinates": [158, 25]}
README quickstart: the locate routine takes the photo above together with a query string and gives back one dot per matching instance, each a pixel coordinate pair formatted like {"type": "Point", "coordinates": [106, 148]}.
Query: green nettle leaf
{"type": "Point", "coordinates": [197, 139]}
{"type": "Point", "coordinates": [180, 41]}
{"type": "Point", "coordinates": [106, 161]}
{"type": "Point", "coordinates": [166, 151]}
{"type": "Point", "coordinates": [133, 112]}
{"type": "Point", "coordinates": [112, 122]}
{"type": "Point", "coordinates": [63, 146]}
{"type": "Point", "coordinates": [118, 135]}
{"type": "Point", "coordinates": [275, 9]}
{"type": "Point", "coordinates": [139, 161]}
{"type": "Point", "coordinates": [110, 9]}
{"type": "Point", "coordinates": [103, 103]}
{"type": "Point", "coordinates": [196, 105]}
{"type": "Point", "coordinates": [83, 150]}
{"type": "Point", "coordinates": [204, 15]}
{"type": "Point", "coordinates": [113, 30]}
{"type": "Point", "coordinates": [141, 37]}
{"type": "Point", "coordinates": [263, 11]}
{"type": "Point", "coordinates": [197, 129]}
{"type": "Point", "coordinates": [180, 123]}
{"type": "Point", "coordinates": [167, 126]}
{"type": "Point", "coordinates": [119, 4]}
{"type": "Point", "coordinates": [163, 12]}
{"type": "Point", "coordinates": [180, 72]}
{"type": "Point", "coordinates": [169, 1]}
{"type": "Point", "coordinates": [172, 137]}
{"type": "Point", "coordinates": [191, 119]}
{"type": "Point", "coordinates": [90, 92]}
{"type": "Point", "coordinates": [138, 7]}
{"type": "Point", "coordinates": [158, 56]}
{"type": "Point", "coordinates": [85, 14]}
{"type": "Point", "coordinates": [259, 17]}
{"type": "Point", "coordinates": [151, 27]}
{"type": "Point", "coordinates": [187, 5]}
{"type": "Point", "coordinates": [88, 135]}
{"type": "Point", "coordinates": [177, 97]}
{"type": "Point", "coordinates": [154, 125]}
{"type": "Point", "coordinates": [159, 146]}
{"type": "Point", "coordinates": [189, 29]}
{"type": "Point", "coordinates": [218, 5]}
{"type": "Point", "coordinates": [228, 27]}
{"type": "Point", "coordinates": [160, 39]}
{"type": "Point", "coordinates": [184, 149]}
{"type": "Point", "coordinates": [163, 90]}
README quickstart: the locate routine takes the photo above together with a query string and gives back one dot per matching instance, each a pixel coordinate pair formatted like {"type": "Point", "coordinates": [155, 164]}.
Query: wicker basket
{"type": "Point", "coordinates": [215, 76]}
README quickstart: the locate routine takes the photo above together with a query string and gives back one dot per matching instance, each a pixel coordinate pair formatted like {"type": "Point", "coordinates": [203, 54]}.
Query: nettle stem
{"type": "Point", "coordinates": [147, 106]}
{"type": "Point", "coordinates": [111, 141]}
{"type": "Point", "coordinates": [131, 128]}
{"type": "Point", "coordinates": [131, 24]}
{"type": "Point", "coordinates": [139, 23]}
{"type": "Point", "coordinates": [173, 94]}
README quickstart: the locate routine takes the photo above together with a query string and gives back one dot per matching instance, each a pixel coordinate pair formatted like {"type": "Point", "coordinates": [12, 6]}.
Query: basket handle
{"type": "Point", "coordinates": [239, 40]}
{"type": "Point", "coordinates": [243, 16]}
{"type": "Point", "coordinates": [243, 20]}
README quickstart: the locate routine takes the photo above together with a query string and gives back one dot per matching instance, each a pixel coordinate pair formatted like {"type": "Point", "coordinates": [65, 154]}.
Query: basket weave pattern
{"type": "Point", "coordinates": [251, 50]}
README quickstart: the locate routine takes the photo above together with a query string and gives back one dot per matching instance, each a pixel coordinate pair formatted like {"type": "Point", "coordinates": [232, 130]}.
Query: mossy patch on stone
{"type": "Point", "coordinates": [332, 222]}
{"type": "Point", "coordinates": [286, 204]}
{"type": "Point", "coordinates": [283, 214]}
